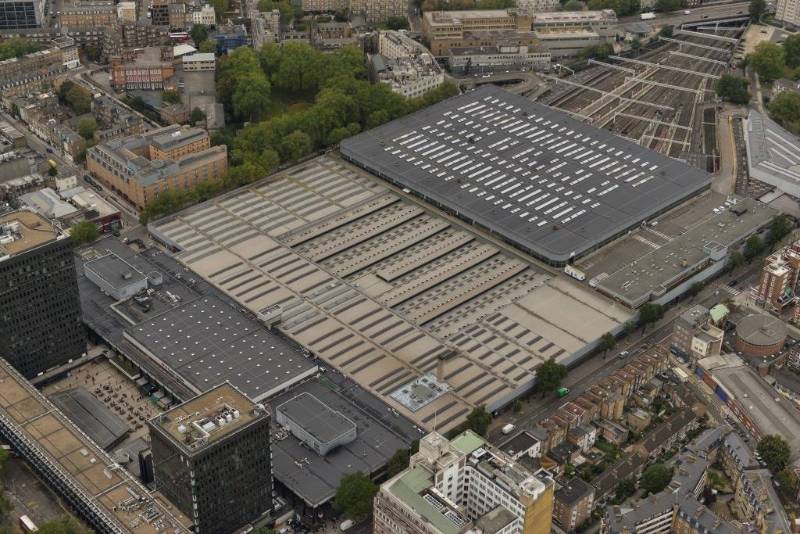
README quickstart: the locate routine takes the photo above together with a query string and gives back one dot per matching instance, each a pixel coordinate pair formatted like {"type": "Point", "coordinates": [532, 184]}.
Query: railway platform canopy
{"type": "Point", "coordinates": [773, 154]}
{"type": "Point", "coordinates": [550, 185]}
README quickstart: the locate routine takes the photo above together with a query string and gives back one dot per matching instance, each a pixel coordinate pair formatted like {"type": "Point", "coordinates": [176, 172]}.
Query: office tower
{"type": "Point", "coordinates": [212, 459]}
{"type": "Point", "coordinates": [40, 316]}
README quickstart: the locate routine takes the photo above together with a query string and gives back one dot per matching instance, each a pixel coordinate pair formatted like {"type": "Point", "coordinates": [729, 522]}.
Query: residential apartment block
{"type": "Point", "coordinates": [573, 504]}
{"type": "Point", "coordinates": [143, 68]}
{"type": "Point", "coordinates": [141, 166]}
{"type": "Point", "coordinates": [375, 11]}
{"type": "Point", "coordinates": [212, 459]}
{"type": "Point", "coordinates": [788, 12]}
{"type": "Point", "coordinates": [40, 326]}
{"type": "Point", "coordinates": [452, 486]}
{"type": "Point", "coordinates": [20, 74]}
{"type": "Point", "coordinates": [87, 14]}
{"type": "Point", "coordinates": [778, 282]}
{"type": "Point", "coordinates": [324, 6]}
{"type": "Point", "coordinates": [405, 65]}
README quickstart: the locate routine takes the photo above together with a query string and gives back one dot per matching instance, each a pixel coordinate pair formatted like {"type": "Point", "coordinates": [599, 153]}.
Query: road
{"type": "Point", "coordinates": [697, 14]}
{"type": "Point", "coordinates": [594, 369]}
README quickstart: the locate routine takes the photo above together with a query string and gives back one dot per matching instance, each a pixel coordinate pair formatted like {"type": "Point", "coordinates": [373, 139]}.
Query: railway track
{"type": "Point", "coordinates": [678, 76]}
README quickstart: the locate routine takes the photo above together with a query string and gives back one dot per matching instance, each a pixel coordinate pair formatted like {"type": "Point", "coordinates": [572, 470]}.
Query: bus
{"type": "Point", "coordinates": [27, 525]}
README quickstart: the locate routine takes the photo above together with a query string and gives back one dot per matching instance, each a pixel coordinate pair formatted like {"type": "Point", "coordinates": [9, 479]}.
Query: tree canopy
{"type": "Point", "coordinates": [83, 232]}
{"type": "Point", "coordinates": [768, 60]}
{"type": "Point", "coordinates": [450, 5]}
{"type": "Point", "coordinates": [16, 47]}
{"type": "Point", "coordinates": [650, 313]}
{"type": "Point", "coordinates": [775, 452]}
{"type": "Point", "coordinates": [623, 8]}
{"type": "Point", "coordinates": [757, 8]}
{"type": "Point", "coordinates": [479, 420]}
{"type": "Point", "coordinates": [668, 6]}
{"type": "Point", "coordinates": [171, 97]}
{"type": "Point", "coordinates": [791, 50]}
{"type": "Point", "coordinates": [354, 496]}
{"type": "Point", "coordinates": [86, 127]}
{"type": "Point", "coordinates": [785, 110]}
{"type": "Point", "coordinates": [753, 246]}
{"type": "Point", "coordinates": [549, 375]}
{"type": "Point", "coordinates": [596, 51]}
{"type": "Point", "coordinates": [733, 89]}
{"type": "Point", "coordinates": [655, 478]}
{"type": "Point", "coordinates": [198, 33]}
{"type": "Point", "coordinates": [779, 227]}
{"type": "Point", "coordinates": [397, 23]}
{"type": "Point", "coordinates": [607, 342]}
{"type": "Point", "coordinates": [63, 525]}
{"type": "Point", "coordinates": [72, 95]}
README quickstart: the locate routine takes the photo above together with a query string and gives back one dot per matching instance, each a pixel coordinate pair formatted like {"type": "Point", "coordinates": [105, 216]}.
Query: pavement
{"type": "Point", "coordinates": [29, 495]}
{"type": "Point", "coordinates": [724, 180]}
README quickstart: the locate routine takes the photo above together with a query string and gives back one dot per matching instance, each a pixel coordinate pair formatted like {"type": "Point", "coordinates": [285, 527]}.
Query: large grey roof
{"type": "Point", "coordinates": [545, 182]}
{"type": "Point", "coordinates": [91, 416]}
{"type": "Point", "coordinates": [773, 154]}
{"type": "Point", "coordinates": [316, 418]}
{"type": "Point", "coordinates": [207, 342]}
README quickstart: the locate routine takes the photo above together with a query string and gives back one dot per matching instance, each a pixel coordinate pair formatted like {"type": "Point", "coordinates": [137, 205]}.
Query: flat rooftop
{"type": "Point", "coordinates": [21, 231]}
{"type": "Point", "coordinates": [114, 270]}
{"type": "Point", "coordinates": [380, 287]}
{"type": "Point", "coordinates": [207, 341]}
{"type": "Point", "coordinates": [541, 180]}
{"type": "Point", "coordinates": [91, 416]}
{"type": "Point", "coordinates": [758, 399]}
{"type": "Point", "coordinates": [127, 505]}
{"type": "Point", "coordinates": [656, 258]}
{"type": "Point", "coordinates": [210, 417]}
{"type": "Point", "coordinates": [316, 418]}
{"type": "Point", "coordinates": [380, 434]}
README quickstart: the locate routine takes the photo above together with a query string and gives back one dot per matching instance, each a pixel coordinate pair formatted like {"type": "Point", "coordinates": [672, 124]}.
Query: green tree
{"type": "Point", "coordinates": [398, 462]}
{"type": "Point", "coordinates": [736, 260]}
{"type": "Point", "coordinates": [768, 60]}
{"type": "Point", "coordinates": [636, 44]}
{"type": "Point", "coordinates": [208, 46]}
{"type": "Point", "coordinates": [354, 496]}
{"type": "Point", "coordinates": [753, 246]}
{"type": "Point", "coordinates": [251, 96]}
{"type": "Point", "coordinates": [597, 51]}
{"type": "Point", "coordinates": [668, 6]}
{"type": "Point", "coordinates": [220, 8]}
{"type": "Point", "coordinates": [64, 525]}
{"type": "Point", "coordinates": [15, 47]}
{"type": "Point", "coordinates": [86, 127]}
{"type": "Point", "coordinates": [791, 50]}
{"type": "Point", "coordinates": [574, 5]}
{"type": "Point", "coordinates": [479, 420]}
{"type": "Point", "coordinates": [196, 116]}
{"type": "Point", "coordinates": [171, 97]}
{"type": "Point", "coordinates": [788, 484]}
{"type": "Point", "coordinates": [52, 170]}
{"type": "Point", "coordinates": [666, 31]}
{"type": "Point", "coordinates": [775, 452]}
{"type": "Point", "coordinates": [296, 145]}
{"type": "Point", "coordinates": [757, 8]}
{"type": "Point", "coordinates": [625, 488]}
{"type": "Point", "coordinates": [83, 232]}
{"type": "Point", "coordinates": [779, 227]}
{"type": "Point", "coordinates": [655, 478]}
{"type": "Point", "coordinates": [397, 23]}
{"type": "Point", "coordinates": [3, 460]}
{"type": "Point", "coordinates": [695, 289]}
{"type": "Point", "coordinates": [198, 33]}
{"type": "Point", "coordinates": [650, 313]}
{"type": "Point", "coordinates": [549, 375]}
{"type": "Point", "coordinates": [607, 342]}
{"type": "Point", "coordinates": [785, 110]}
{"type": "Point", "coordinates": [263, 530]}
{"type": "Point", "coordinates": [733, 89]}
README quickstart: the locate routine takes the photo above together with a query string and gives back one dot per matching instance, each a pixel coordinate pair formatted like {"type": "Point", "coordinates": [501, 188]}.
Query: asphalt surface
{"type": "Point", "coordinates": [698, 14]}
